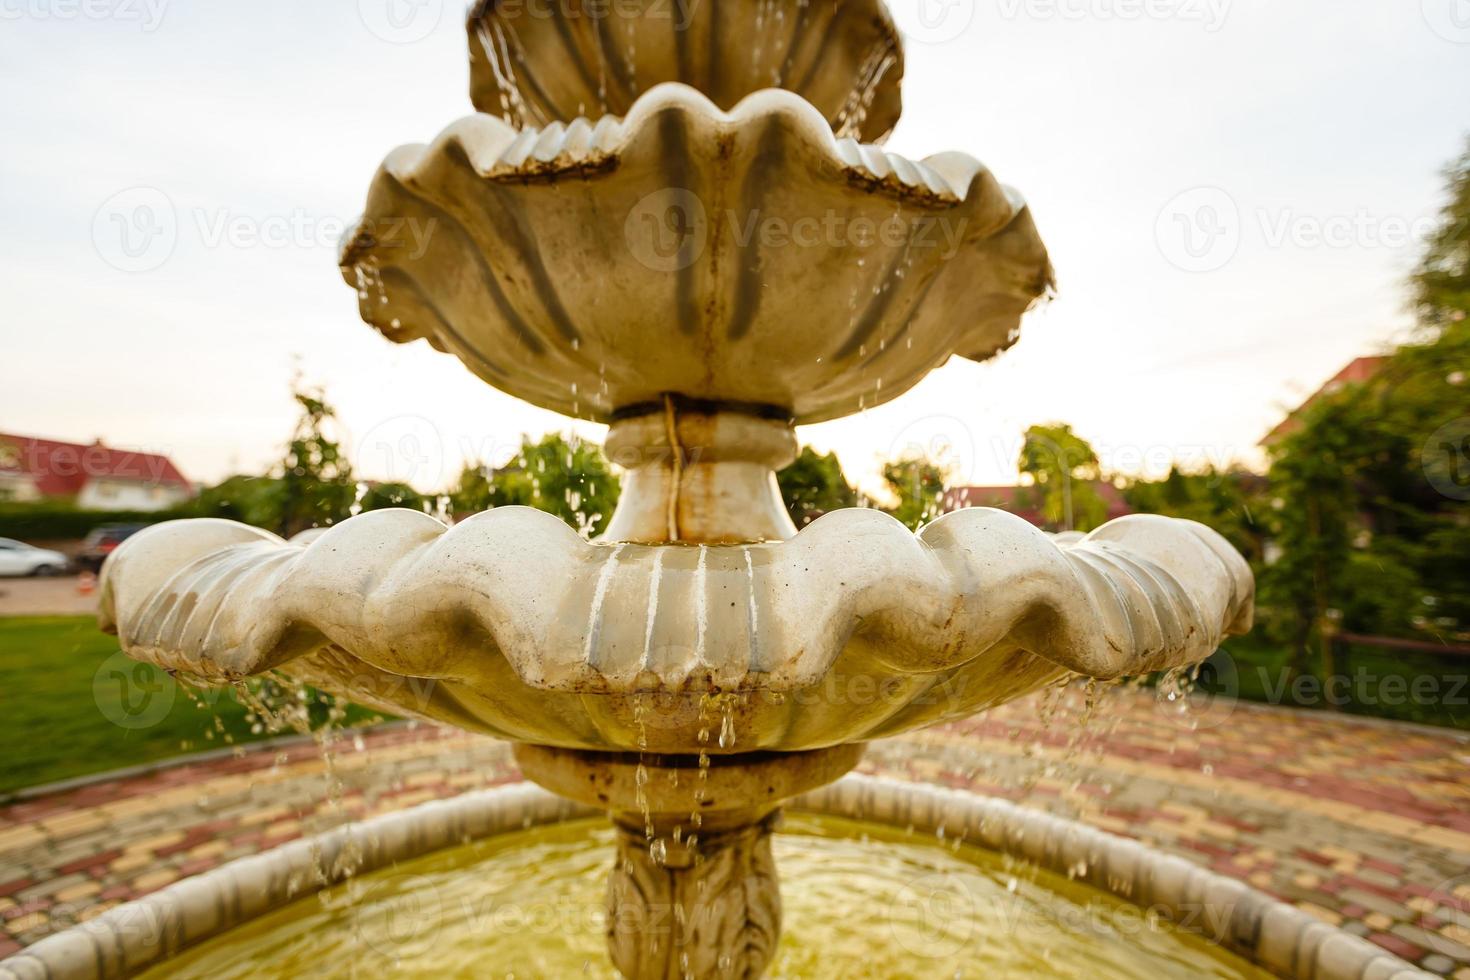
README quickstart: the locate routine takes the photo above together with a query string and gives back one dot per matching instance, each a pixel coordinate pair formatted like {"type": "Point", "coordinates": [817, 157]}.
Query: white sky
{"type": "Point", "coordinates": [1307, 117]}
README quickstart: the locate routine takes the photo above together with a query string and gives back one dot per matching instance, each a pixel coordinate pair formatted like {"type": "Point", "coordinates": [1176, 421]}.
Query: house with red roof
{"type": "Point", "coordinates": [1358, 370]}
{"type": "Point", "coordinates": [1023, 502]}
{"type": "Point", "coordinates": [93, 477]}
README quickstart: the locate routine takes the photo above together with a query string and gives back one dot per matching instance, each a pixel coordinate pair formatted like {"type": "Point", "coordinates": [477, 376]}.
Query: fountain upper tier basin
{"type": "Point", "coordinates": [510, 624]}
{"type": "Point", "coordinates": [747, 257]}
{"type": "Point", "coordinates": [536, 63]}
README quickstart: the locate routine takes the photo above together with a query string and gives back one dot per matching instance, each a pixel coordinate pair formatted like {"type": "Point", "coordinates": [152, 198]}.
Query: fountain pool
{"type": "Point", "coordinates": [860, 900]}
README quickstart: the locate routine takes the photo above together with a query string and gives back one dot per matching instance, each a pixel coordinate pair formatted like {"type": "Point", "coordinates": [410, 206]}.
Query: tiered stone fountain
{"type": "Point", "coordinates": [676, 227]}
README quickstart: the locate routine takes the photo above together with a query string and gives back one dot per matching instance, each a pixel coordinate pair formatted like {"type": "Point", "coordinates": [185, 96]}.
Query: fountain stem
{"type": "Point", "coordinates": [685, 904]}
{"type": "Point", "coordinates": [700, 474]}
{"type": "Point", "coordinates": [694, 894]}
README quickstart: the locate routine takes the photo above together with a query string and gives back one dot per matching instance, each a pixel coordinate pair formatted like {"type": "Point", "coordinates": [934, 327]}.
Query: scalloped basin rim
{"type": "Point", "coordinates": [545, 261]}
{"type": "Point", "coordinates": [516, 620]}
{"type": "Point", "coordinates": [583, 147]}
{"type": "Point", "coordinates": [536, 70]}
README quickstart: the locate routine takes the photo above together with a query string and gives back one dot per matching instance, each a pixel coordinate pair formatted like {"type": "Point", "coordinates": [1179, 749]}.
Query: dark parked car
{"type": "Point", "coordinates": [102, 542]}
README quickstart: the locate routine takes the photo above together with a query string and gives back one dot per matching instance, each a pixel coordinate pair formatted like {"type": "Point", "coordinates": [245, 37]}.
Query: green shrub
{"type": "Point", "coordinates": [47, 521]}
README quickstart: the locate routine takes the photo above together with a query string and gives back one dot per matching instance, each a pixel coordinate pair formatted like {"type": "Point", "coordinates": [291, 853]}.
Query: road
{"type": "Point", "coordinates": [45, 597]}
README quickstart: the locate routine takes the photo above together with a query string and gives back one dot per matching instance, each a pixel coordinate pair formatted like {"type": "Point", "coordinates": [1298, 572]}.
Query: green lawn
{"type": "Point", "coordinates": [71, 704]}
{"type": "Point", "coordinates": [1414, 687]}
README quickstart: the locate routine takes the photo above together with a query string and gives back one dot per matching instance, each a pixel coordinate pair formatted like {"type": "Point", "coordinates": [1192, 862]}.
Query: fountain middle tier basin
{"type": "Point", "coordinates": [511, 624]}
{"type": "Point", "coordinates": [747, 257]}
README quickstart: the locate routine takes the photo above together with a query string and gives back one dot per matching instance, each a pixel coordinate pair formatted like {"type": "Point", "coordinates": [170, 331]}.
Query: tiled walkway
{"type": "Point", "coordinates": [1364, 825]}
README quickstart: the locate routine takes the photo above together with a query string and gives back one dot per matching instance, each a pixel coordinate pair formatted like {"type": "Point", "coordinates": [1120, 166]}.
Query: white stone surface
{"type": "Point", "coordinates": [853, 629]}
{"type": "Point", "coordinates": [747, 257]}
{"type": "Point", "coordinates": [538, 63]}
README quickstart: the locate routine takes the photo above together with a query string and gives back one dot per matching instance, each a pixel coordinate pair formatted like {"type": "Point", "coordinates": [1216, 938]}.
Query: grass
{"type": "Point", "coordinates": [1413, 687]}
{"type": "Point", "coordinates": [71, 705]}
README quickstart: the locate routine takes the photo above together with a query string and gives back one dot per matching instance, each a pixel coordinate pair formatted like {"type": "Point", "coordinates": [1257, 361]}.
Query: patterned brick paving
{"type": "Point", "coordinates": [1366, 826]}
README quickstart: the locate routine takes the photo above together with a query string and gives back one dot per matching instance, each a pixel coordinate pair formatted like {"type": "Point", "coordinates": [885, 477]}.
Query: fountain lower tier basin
{"type": "Point", "coordinates": [510, 624]}
{"type": "Point", "coordinates": [884, 879]}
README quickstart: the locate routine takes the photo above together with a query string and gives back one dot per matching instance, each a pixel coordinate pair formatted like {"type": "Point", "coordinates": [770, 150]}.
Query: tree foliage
{"type": "Point", "coordinates": [381, 496]}
{"type": "Point", "coordinates": [313, 483]}
{"type": "Point", "coordinates": [1442, 281]}
{"type": "Point", "coordinates": [1369, 507]}
{"type": "Point", "coordinates": [560, 475]}
{"type": "Point", "coordinates": [1064, 470]}
{"type": "Point", "coordinates": [813, 485]}
{"type": "Point", "coordinates": [918, 483]}
{"type": "Point", "coordinates": [1230, 501]}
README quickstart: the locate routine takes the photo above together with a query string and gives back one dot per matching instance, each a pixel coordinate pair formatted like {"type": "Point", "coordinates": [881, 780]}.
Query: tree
{"type": "Point", "coordinates": [313, 482]}
{"type": "Point", "coordinates": [1371, 504]}
{"type": "Point", "coordinates": [1063, 468]}
{"type": "Point", "coordinates": [249, 499]}
{"type": "Point", "coordinates": [1442, 281]}
{"type": "Point", "coordinates": [473, 492]}
{"type": "Point", "coordinates": [918, 483]}
{"type": "Point", "coordinates": [381, 496]}
{"type": "Point", "coordinates": [813, 485]}
{"type": "Point", "coordinates": [1230, 501]}
{"type": "Point", "coordinates": [560, 475]}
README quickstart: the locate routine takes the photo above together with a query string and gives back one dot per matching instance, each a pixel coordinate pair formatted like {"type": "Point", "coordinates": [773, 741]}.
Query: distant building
{"type": "Point", "coordinates": [94, 477]}
{"type": "Point", "coordinates": [1357, 371]}
{"type": "Point", "coordinates": [1022, 501]}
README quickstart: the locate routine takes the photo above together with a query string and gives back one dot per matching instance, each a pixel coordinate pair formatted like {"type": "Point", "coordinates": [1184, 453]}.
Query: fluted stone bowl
{"type": "Point", "coordinates": [535, 62]}
{"type": "Point", "coordinates": [747, 258]}
{"type": "Point", "coordinates": [511, 624]}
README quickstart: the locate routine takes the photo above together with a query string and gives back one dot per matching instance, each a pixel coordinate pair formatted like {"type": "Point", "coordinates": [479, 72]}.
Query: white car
{"type": "Point", "coordinates": [17, 558]}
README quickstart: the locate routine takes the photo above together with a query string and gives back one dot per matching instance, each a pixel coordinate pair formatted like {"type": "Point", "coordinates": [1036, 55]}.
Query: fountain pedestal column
{"type": "Point", "coordinates": [700, 474]}
{"type": "Point", "coordinates": [694, 894]}
{"type": "Point", "coordinates": [684, 904]}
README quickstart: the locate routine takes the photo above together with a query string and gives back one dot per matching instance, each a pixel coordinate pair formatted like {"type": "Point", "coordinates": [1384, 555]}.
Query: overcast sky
{"type": "Point", "coordinates": [1230, 190]}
